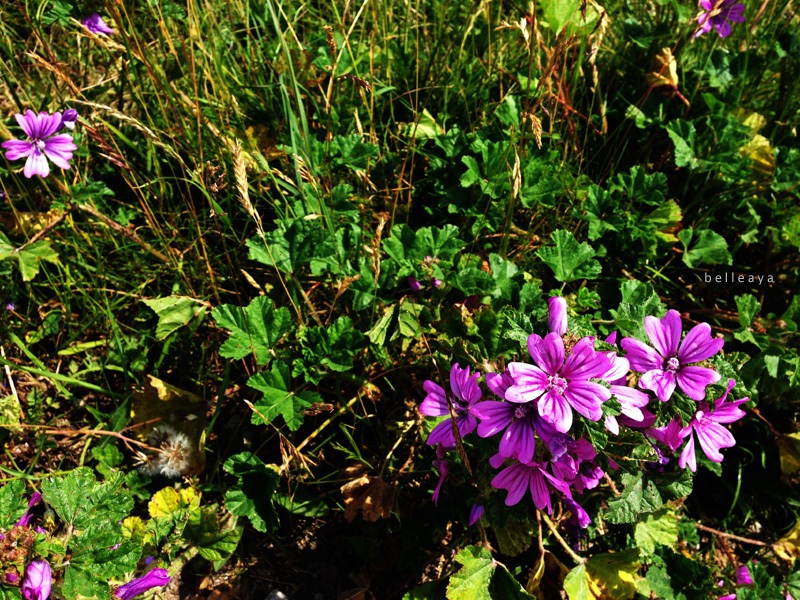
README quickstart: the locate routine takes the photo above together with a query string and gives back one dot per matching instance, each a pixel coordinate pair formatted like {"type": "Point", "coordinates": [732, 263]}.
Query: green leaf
{"type": "Point", "coordinates": [30, 257]}
{"type": "Point", "coordinates": [504, 585]}
{"type": "Point", "coordinates": [576, 584]}
{"type": "Point", "coordinates": [377, 335]}
{"type": "Point", "coordinates": [614, 575]}
{"type": "Point", "coordinates": [174, 312]}
{"type": "Point", "coordinates": [661, 584]}
{"type": "Point", "coordinates": [252, 495]}
{"type": "Point", "coordinates": [637, 497]}
{"type": "Point", "coordinates": [13, 503]}
{"type": "Point", "coordinates": [352, 152]}
{"type": "Point", "coordinates": [558, 13]}
{"type": "Point", "coordinates": [471, 582]}
{"type": "Point", "coordinates": [708, 248]}
{"type": "Point", "coordinates": [658, 528]}
{"type": "Point", "coordinates": [432, 590]}
{"type": "Point", "coordinates": [568, 259]}
{"type": "Point", "coordinates": [278, 399]}
{"type": "Point", "coordinates": [81, 501]}
{"type": "Point", "coordinates": [255, 329]}
{"type": "Point", "coordinates": [748, 307]}
{"type": "Point", "coordinates": [213, 540]}
{"type": "Point", "coordinates": [682, 134]}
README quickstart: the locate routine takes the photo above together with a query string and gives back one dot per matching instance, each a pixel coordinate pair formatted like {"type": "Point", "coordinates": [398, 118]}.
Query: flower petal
{"type": "Point", "coordinates": [16, 149]}
{"type": "Point", "coordinates": [587, 398]}
{"type": "Point", "coordinates": [723, 27]}
{"type": "Point", "coordinates": [642, 357]}
{"type": "Point", "coordinates": [435, 403]}
{"type": "Point", "coordinates": [513, 479]}
{"type": "Point", "coordinates": [518, 440]}
{"type": "Point", "coordinates": [547, 353]}
{"type": "Point", "coordinates": [712, 437]}
{"type": "Point", "coordinates": [557, 315]}
{"type": "Point", "coordinates": [442, 434]}
{"type": "Point", "coordinates": [495, 416]}
{"type": "Point", "coordinates": [687, 457]}
{"type": "Point", "coordinates": [694, 380]}
{"type": "Point", "coordinates": [530, 382]}
{"type": "Point", "coordinates": [660, 382]}
{"type": "Point", "coordinates": [665, 334]}
{"type": "Point", "coordinates": [36, 165]}
{"type": "Point", "coordinates": [699, 345]}
{"type": "Point", "coordinates": [555, 409]}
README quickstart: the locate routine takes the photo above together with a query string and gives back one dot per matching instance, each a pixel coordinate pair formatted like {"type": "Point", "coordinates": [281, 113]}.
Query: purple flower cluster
{"type": "Point", "coordinates": [534, 408]}
{"type": "Point", "coordinates": [40, 146]}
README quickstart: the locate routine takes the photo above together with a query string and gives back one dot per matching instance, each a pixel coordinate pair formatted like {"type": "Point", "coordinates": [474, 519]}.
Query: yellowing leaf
{"type": "Point", "coordinates": [164, 502]}
{"type": "Point", "coordinates": [788, 547]}
{"type": "Point", "coordinates": [761, 153]}
{"type": "Point", "coordinates": [134, 529]}
{"type": "Point", "coordinates": [547, 579]}
{"type": "Point", "coordinates": [665, 70]}
{"type": "Point", "coordinates": [789, 447]}
{"type": "Point", "coordinates": [613, 576]}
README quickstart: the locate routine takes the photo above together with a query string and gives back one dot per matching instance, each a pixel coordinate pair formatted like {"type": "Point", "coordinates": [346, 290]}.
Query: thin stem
{"type": "Point", "coordinates": [738, 538]}
{"type": "Point", "coordinates": [578, 560]}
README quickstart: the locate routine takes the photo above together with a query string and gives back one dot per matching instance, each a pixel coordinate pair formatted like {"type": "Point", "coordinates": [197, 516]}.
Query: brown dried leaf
{"type": "Point", "coordinates": [665, 71]}
{"type": "Point", "coordinates": [371, 495]}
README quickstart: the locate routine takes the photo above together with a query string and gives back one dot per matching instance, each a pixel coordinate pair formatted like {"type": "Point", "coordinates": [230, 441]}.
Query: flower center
{"type": "Point", "coordinates": [521, 411]}
{"type": "Point", "coordinates": [557, 383]}
{"type": "Point", "coordinates": [672, 364]}
{"type": "Point", "coordinates": [40, 145]}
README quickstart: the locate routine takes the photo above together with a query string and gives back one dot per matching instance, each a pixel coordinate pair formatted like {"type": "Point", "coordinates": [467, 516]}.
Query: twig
{"type": "Point", "coordinates": [738, 538]}
{"type": "Point", "coordinates": [578, 560]}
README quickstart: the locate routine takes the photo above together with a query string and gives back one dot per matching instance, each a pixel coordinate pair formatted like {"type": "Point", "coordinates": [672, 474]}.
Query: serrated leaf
{"type": "Point", "coordinates": [656, 529]}
{"type": "Point", "coordinates": [568, 259]}
{"type": "Point", "coordinates": [213, 540]}
{"type": "Point", "coordinates": [748, 307]}
{"type": "Point", "coordinates": [13, 503]}
{"type": "Point", "coordinates": [255, 329]}
{"type": "Point", "coordinates": [278, 399]}
{"type": "Point", "coordinates": [682, 134]}
{"type": "Point", "coordinates": [174, 312]}
{"type": "Point", "coordinates": [471, 582]}
{"type": "Point", "coordinates": [80, 500]}
{"type": "Point", "coordinates": [252, 495]}
{"type": "Point", "coordinates": [637, 497]}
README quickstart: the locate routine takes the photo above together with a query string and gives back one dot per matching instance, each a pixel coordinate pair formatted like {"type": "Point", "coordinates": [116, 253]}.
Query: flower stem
{"type": "Point", "coordinates": [578, 560]}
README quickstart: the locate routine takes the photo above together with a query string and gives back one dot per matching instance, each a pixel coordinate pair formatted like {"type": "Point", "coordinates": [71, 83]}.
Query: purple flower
{"type": "Point", "coordinates": [670, 435]}
{"type": "Point", "coordinates": [707, 424]}
{"type": "Point", "coordinates": [414, 283]}
{"type": "Point", "coordinates": [518, 420]}
{"type": "Point", "coordinates": [632, 401]}
{"type": "Point", "coordinates": [38, 148]}
{"type": "Point", "coordinates": [716, 14]}
{"type": "Point", "coordinates": [518, 478]}
{"type": "Point", "coordinates": [475, 513]}
{"type": "Point", "coordinates": [558, 382]}
{"type": "Point", "coordinates": [25, 519]}
{"type": "Point", "coordinates": [467, 393]}
{"type": "Point", "coordinates": [580, 516]}
{"type": "Point", "coordinates": [68, 119]}
{"type": "Point", "coordinates": [94, 23]}
{"type": "Point", "coordinates": [666, 366]}
{"type": "Point", "coordinates": [743, 576]}
{"type": "Point", "coordinates": [442, 464]}
{"type": "Point", "coordinates": [436, 282]}
{"type": "Point", "coordinates": [557, 315]}
{"type": "Point", "coordinates": [38, 580]}
{"type": "Point", "coordinates": [154, 578]}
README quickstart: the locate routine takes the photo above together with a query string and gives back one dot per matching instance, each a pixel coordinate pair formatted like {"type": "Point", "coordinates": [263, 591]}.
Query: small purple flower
{"type": "Point", "coordinates": [518, 478]}
{"type": "Point", "coordinates": [466, 393]}
{"type": "Point", "coordinates": [154, 578]}
{"type": "Point", "coordinates": [68, 119]}
{"type": "Point", "coordinates": [580, 516]}
{"type": "Point", "coordinates": [414, 283]}
{"type": "Point", "coordinates": [38, 148]}
{"type": "Point", "coordinates": [707, 425]}
{"type": "Point", "coordinates": [558, 382]}
{"type": "Point", "coordinates": [95, 23]}
{"type": "Point", "coordinates": [38, 580]}
{"type": "Point", "coordinates": [25, 519]}
{"type": "Point", "coordinates": [670, 435]}
{"type": "Point", "coordinates": [666, 366]}
{"type": "Point", "coordinates": [557, 315]}
{"type": "Point", "coordinates": [475, 513]}
{"type": "Point", "coordinates": [436, 282]}
{"type": "Point", "coordinates": [743, 576]}
{"type": "Point", "coordinates": [716, 14]}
